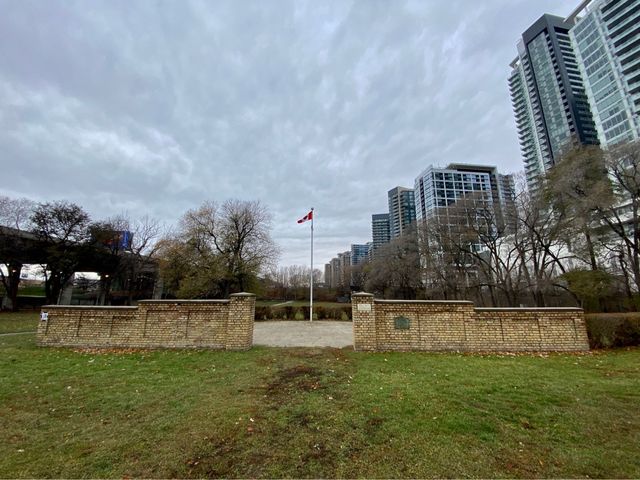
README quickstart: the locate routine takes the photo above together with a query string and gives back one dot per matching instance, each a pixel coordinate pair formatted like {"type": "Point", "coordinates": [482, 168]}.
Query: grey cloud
{"type": "Point", "coordinates": [153, 107]}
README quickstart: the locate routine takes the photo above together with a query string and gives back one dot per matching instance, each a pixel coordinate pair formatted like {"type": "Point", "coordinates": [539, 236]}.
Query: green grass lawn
{"type": "Point", "coordinates": [316, 413]}
{"type": "Point", "coordinates": [18, 322]}
{"type": "Point", "coordinates": [32, 290]}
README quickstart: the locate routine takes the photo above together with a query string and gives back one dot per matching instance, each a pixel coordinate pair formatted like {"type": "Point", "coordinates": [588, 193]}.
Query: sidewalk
{"type": "Point", "coordinates": [303, 333]}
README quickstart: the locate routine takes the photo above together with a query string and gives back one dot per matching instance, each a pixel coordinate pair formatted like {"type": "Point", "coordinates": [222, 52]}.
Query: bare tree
{"type": "Point", "coordinates": [485, 239]}
{"type": "Point", "coordinates": [292, 282]}
{"type": "Point", "coordinates": [133, 244]}
{"type": "Point", "coordinates": [469, 250]}
{"type": "Point", "coordinates": [227, 245]}
{"type": "Point", "coordinates": [64, 227]}
{"type": "Point", "coordinates": [395, 269]}
{"type": "Point", "coordinates": [622, 215]}
{"type": "Point", "coordinates": [14, 213]}
{"type": "Point", "coordinates": [448, 271]}
{"type": "Point", "coordinates": [575, 189]}
{"type": "Point", "coordinates": [543, 247]}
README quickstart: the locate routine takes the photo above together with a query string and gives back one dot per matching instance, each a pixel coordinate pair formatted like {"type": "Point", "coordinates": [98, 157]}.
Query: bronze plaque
{"type": "Point", "coordinates": [401, 323]}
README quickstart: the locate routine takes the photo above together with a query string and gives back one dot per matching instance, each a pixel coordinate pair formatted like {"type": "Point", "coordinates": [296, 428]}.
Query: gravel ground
{"type": "Point", "coordinates": [303, 334]}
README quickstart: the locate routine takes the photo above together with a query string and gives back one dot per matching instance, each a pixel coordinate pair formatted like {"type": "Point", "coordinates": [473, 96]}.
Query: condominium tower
{"type": "Point", "coordinates": [402, 211]}
{"type": "Point", "coordinates": [380, 231]}
{"type": "Point", "coordinates": [439, 188]}
{"type": "Point", "coordinates": [359, 253]}
{"type": "Point", "coordinates": [606, 40]}
{"type": "Point", "coordinates": [551, 108]}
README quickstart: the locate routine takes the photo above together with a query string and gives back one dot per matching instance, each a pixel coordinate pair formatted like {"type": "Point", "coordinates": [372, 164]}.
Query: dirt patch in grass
{"type": "Point", "coordinates": [215, 460]}
{"type": "Point", "coordinates": [285, 432]}
{"type": "Point", "coordinates": [300, 378]}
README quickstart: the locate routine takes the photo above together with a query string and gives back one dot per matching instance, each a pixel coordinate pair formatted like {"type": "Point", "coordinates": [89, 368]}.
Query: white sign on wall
{"type": "Point", "coordinates": [364, 307]}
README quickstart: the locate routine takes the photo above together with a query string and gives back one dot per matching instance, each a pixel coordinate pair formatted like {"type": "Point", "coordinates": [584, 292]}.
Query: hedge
{"type": "Point", "coordinates": [302, 313]}
{"type": "Point", "coordinates": [613, 330]}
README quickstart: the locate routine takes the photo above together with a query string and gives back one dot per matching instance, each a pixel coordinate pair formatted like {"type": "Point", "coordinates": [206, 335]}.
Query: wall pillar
{"type": "Point", "coordinates": [242, 308]}
{"type": "Point", "coordinates": [363, 311]}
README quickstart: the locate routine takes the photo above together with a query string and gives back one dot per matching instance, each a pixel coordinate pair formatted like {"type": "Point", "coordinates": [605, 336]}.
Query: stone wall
{"type": "Point", "coordinates": [381, 325]}
{"type": "Point", "coordinates": [218, 324]}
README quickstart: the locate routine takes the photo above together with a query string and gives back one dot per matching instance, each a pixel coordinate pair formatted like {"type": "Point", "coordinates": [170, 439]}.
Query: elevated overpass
{"type": "Point", "coordinates": [20, 247]}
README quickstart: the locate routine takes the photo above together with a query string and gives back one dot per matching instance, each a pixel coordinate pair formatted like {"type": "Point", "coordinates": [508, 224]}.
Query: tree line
{"type": "Point", "coordinates": [576, 239]}
{"type": "Point", "coordinates": [214, 250]}
{"type": "Point", "coordinates": [65, 238]}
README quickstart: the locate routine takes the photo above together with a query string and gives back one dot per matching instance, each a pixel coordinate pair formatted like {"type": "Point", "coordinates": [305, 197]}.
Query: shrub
{"type": "Point", "coordinates": [263, 313]}
{"type": "Point", "coordinates": [613, 330]}
{"type": "Point", "coordinates": [289, 312]}
{"type": "Point", "coordinates": [339, 313]}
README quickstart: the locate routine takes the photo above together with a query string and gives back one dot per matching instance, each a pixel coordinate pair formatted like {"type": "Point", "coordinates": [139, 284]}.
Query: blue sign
{"type": "Point", "coordinates": [125, 239]}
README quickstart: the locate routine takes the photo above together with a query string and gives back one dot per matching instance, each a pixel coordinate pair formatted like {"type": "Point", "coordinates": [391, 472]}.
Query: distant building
{"type": "Point", "coordinates": [370, 251]}
{"type": "Point", "coordinates": [437, 189]}
{"type": "Point", "coordinates": [549, 101]}
{"type": "Point", "coordinates": [402, 210]}
{"type": "Point", "coordinates": [327, 275]}
{"type": "Point", "coordinates": [380, 231]}
{"type": "Point", "coordinates": [344, 266]}
{"type": "Point", "coordinates": [606, 40]}
{"type": "Point", "coordinates": [359, 253]}
{"type": "Point", "coordinates": [335, 273]}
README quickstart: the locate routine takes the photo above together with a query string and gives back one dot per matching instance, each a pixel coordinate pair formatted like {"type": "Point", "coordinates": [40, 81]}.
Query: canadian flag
{"type": "Point", "coordinates": [308, 216]}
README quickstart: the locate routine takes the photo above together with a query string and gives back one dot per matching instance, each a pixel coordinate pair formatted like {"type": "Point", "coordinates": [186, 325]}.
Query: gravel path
{"type": "Point", "coordinates": [303, 334]}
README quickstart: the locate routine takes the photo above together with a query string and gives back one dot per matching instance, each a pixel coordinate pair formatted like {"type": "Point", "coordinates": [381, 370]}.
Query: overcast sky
{"type": "Point", "coordinates": [152, 107]}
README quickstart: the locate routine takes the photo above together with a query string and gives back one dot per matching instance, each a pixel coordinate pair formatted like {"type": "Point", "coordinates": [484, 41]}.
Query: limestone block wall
{"type": "Point", "coordinates": [383, 325]}
{"type": "Point", "coordinates": [218, 324]}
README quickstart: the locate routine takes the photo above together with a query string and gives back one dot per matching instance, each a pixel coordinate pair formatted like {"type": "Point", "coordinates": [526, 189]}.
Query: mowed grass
{"type": "Point", "coordinates": [316, 413]}
{"type": "Point", "coordinates": [18, 322]}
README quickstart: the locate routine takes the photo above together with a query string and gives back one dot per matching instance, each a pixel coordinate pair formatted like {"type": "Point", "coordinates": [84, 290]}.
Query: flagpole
{"type": "Point", "coordinates": [311, 274]}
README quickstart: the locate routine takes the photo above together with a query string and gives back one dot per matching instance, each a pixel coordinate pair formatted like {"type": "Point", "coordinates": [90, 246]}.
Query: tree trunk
{"type": "Point", "coordinates": [590, 248]}
{"type": "Point", "coordinates": [11, 282]}
{"type": "Point", "coordinates": [625, 275]}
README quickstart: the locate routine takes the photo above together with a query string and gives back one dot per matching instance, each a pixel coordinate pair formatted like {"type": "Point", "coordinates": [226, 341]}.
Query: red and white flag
{"type": "Point", "coordinates": [308, 216]}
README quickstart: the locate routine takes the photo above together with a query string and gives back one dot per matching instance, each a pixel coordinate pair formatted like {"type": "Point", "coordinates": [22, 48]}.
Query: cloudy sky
{"type": "Point", "coordinates": [152, 107]}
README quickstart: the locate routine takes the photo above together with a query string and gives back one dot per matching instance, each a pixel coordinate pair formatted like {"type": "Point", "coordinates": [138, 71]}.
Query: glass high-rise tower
{"type": "Point", "coordinates": [380, 230]}
{"type": "Point", "coordinates": [438, 189]}
{"type": "Point", "coordinates": [402, 210]}
{"type": "Point", "coordinates": [550, 105]}
{"type": "Point", "coordinates": [606, 40]}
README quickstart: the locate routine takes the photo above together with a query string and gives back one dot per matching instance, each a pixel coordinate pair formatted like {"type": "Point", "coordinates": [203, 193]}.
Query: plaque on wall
{"type": "Point", "coordinates": [401, 323]}
{"type": "Point", "coordinates": [364, 307]}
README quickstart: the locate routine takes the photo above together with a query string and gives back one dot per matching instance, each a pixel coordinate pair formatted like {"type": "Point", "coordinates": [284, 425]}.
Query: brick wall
{"type": "Point", "coordinates": [381, 325]}
{"type": "Point", "coordinates": [219, 324]}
